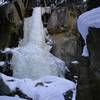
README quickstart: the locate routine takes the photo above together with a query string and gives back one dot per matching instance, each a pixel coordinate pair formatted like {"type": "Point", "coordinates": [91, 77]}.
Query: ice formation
{"type": "Point", "coordinates": [46, 88]}
{"type": "Point", "coordinates": [32, 58]}
{"type": "Point", "coordinates": [2, 2]}
{"type": "Point", "coordinates": [88, 19]}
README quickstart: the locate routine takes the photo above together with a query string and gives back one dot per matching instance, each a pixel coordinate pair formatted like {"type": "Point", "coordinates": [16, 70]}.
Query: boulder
{"type": "Point", "coordinates": [58, 21]}
{"type": "Point", "coordinates": [65, 48]}
{"type": "Point", "coordinates": [83, 84]}
{"type": "Point", "coordinates": [93, 42]}
{"type": "Point", "coordinates": [11, 23]}
{"type": "Point", "coordinates": [61, 26]}
{"type": "Point", "coordinates": [89, 68]}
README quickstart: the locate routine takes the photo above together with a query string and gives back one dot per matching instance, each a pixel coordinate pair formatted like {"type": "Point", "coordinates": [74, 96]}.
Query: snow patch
{"type": "Point", "coordinates": [2, 63]}
{"type": "Point", "coordinates": [10, 98]}
{"type": "Point", "coordinates": [46, 88]}
{"type": "Point", "coordinates": [75, 62]}
{"type": "Point", "coordinates": [88, 19]}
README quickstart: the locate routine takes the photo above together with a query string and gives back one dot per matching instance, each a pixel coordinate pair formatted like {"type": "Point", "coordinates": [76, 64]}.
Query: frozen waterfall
{"type": "Point", "coordinates": [34, 32]}
{"type": "Point", "coordinates": [32, 58]}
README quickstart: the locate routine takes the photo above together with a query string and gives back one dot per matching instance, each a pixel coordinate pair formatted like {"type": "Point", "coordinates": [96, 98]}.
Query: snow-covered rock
{"type": "Point", "coordinates": [88, 19]}
{"type": "Point", "coordinates": [45, 88]}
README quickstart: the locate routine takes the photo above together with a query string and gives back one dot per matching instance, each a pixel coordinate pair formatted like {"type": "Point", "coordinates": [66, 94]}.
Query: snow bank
{"type": "Point", "coordinates": [88, 19]}
{"type": "Point", "coordinates": [46, 88]}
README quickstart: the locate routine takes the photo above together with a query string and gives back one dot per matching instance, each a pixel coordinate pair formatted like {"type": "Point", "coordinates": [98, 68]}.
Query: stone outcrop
{"type": "Point", "coordinates": [83, 87]}
{"type": "Point", "coordinates": [93, 42]}
{"type": "Point", "coordinates": [61, 26]}
{"type": "Point", "coordinates": [11, 23]}
{"type": "Point", "coordinates": [89, 69]}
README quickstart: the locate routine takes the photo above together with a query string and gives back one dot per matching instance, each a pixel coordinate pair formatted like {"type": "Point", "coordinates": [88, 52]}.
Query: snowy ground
{"type": "Point", "coordinates": [46, 88]}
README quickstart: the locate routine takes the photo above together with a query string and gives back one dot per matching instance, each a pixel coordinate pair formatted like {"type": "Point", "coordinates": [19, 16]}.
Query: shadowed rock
{"type": "Point", "coordinates": [4, 89]}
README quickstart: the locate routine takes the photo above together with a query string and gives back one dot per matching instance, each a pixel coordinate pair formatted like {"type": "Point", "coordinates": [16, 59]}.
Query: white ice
{"type": "Point", "coordinates": [32, 58]}
{"type": "Point", "coordinates": [88, 19]}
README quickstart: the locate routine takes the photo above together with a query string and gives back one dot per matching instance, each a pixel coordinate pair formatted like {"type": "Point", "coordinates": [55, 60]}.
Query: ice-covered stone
{"type": "Point", "coordinates": [88, 19]}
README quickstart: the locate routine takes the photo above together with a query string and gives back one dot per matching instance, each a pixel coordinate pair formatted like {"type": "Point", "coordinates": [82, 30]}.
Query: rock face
{"type": "Point", "coordinates": [4, 89]}
{"type": "Point", "coordinates": [89, 69]}
{"type": "Point", "coordinates": [83, 88]}
{"type": "Point", "coordinates": [93, 41]}
{"type": "Point", "coordinates": [61, 26]}
{"type": "Point", "coordinates": [92, 4]}
{"type": "Point", "coordinates": [58, 21]}
{"type": "Point", "coordinates": [11, 23]}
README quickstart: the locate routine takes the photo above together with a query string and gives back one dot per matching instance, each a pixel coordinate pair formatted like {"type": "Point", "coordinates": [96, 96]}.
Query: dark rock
{"type": "Point", "coordinates": [45, 18]}
{"type": "Point", "coordinates": [6, 69]}
{"type": "Point", "coordinates": [28, 12]}
{"type": "Point", "coordinates": [8, 56]}
{"type": "Point", "coordinates": [74, 72]}
{"type": "Point", "coordinates": [11, 22]}
{"type": "Point", "coordinates": [93, 41]}
{"type": "Point", "coordinates": [2, 56]}
{"type": "Point", "coordinates": [39, 84]}
{"type": "Point", "coordinates": [4, 89]}
{"type": "Point", "coordinates": [68, 95]}
{"type": "Point", "coordinates": [20, 94]}
{"type": "Point", "coordinates": [83, 87]}
{"type": "Point", "coordinates": [92, 4]}
{"type": "Point", "coordinates": [89, 69]}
